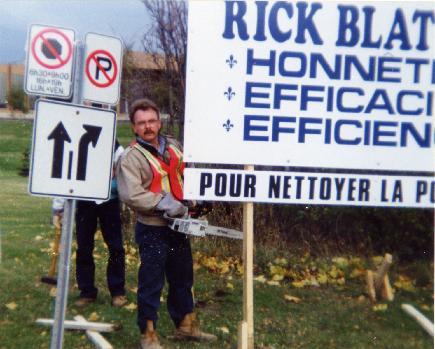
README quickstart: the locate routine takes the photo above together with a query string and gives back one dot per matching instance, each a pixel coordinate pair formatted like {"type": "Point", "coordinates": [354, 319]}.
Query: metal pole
{"type": "Point", "coordinates": [67, 231]}
{"type": "Point", "coordinates": [63, 275]}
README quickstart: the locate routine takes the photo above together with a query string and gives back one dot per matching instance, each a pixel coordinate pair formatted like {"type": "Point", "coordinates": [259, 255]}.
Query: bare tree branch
{"type": "Point", "coordinates": [166, 42]}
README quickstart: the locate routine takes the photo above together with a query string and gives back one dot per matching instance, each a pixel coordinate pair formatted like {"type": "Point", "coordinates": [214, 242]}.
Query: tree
{"type": "Point", "coordinates": [166, 42]}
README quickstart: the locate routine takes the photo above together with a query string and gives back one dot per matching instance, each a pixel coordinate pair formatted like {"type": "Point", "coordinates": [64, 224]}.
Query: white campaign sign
{"type": "Point", "coordinates": [311, 84]}
{"type": "Point", "coordinates": [309, 188]}
{"type": "Point", "coordinates": [102, 68]}
{"type": "Point", "coordinates": [72, 151]}
{"type": "Point", "coordinates": [49, 61]}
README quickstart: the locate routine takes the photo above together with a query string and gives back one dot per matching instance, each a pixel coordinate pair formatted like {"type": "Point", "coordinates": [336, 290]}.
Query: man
{"type": "Point", "coordinates": [107, 213]}
{"type": "Point", "coordinates": [150, 180]}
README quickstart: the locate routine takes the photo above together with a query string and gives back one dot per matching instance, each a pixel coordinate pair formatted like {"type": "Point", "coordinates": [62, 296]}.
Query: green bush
{"type": "Point", "coordinates": [16, 99]}
{"type": "Point", "coordinates": [25, 163]}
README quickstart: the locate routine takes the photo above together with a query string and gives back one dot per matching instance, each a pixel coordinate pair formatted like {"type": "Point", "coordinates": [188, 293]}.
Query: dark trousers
{"type": "Point", "coordinates": [163, 252]}
{"type": "Point", "coordinates": [108, 214]}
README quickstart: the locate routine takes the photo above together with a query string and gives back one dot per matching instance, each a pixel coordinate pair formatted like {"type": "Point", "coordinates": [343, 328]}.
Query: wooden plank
{"type": "Point", "coordinates": [242, 342]}
{"type": "Point", "coordinates": [371, 286]}
{"type": "Point", "coordinates": [382, 271]}
{"type": "Point", "coordinates": [387, 291]}
{"type": "Point", "coordinates": [419, 317]}
{"type": "Point", "coordinates": [79, 325]}
{"type": "Point", "coordinates": [248, 275]}
{"type": "Point", "coordinates": [95, 337]}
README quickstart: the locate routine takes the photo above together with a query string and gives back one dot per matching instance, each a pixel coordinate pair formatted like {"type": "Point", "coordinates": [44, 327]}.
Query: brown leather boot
{"type": "Point", "coordinates": [189, 329]}
{"type": "Point", "coordinates": [149, 339]}
{"type": "Point", "coordinates": [84, 301]}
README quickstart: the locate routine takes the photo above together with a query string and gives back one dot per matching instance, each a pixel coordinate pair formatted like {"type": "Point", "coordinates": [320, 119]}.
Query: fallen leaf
{"type": "Point", "coordinates": [273, 283]}
{"type": "Point", "coordinates": [405, 284]}
{"type": "Point", "coordinates": [361, 299]}
{"type": "Point", "coordinates": [340, 261]}
{"type": "Point", "coordinates": [230, 285]}
{"type": "Point", "coordinates": [380, 307]}
{"type": "Point", "coordinates": [224, 329]}
{"type": "Point", "coordinates": [298, 284]}
{"type": "Point", "coordinates": [53, 291]}
{"type": "Point", "coordinates": [322, 278]}
{"type": "Point", "coordinates": [281, 261]}
{"type": "Point", "coordinates": [260, 278]}
{"type": "Point", "coordinates": [38, 238]}
{"type": "Point", "coordinates": [131, 306]}
{"type": "Point", "coordinates": [277, 271]}
{"type": "Point", "coordinates": [313, 282]}
{"type": "Point", "coordinates": [334, 272]}
{"type": "Point", "coordinates": [377, 260]}
{"type": "Point", "coordinates": [277, 277]}
{"type": "Point", "coordinates": [93, 317]}
{"type": "Point", "coordinates": [12, 306]}
{"type": "Point", "coordinates": [267, 322]}
{"type": "Point", "coordinates": [357, 272]}
{"type": "Point", "coordinates": [341, 281]}
{"type": "Point", "coordinates": [293, 299]}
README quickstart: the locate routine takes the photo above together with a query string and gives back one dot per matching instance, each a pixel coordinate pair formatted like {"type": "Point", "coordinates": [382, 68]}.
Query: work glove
{"type": "Point", "coordinates": [171, 206]}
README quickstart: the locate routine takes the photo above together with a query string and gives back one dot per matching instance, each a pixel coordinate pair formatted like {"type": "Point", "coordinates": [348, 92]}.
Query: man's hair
{"type": "Point", "coordinates": [142, 104]}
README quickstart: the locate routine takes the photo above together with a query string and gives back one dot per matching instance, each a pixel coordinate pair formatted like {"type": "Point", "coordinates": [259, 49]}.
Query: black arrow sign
{"type": "Point", "coordinates": [91, 136]}
{"type": "Point", "coordinates": [60, 136]}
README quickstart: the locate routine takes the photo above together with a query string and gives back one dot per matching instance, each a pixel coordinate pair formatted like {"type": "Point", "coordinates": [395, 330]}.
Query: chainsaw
{"type": "Point", "coordinates": [201, 228]}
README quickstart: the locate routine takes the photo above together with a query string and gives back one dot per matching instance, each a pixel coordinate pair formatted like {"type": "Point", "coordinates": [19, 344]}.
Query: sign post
{"type": "Point", "coordinates": [65, 243]}
{"type": "Point", "coordinates": [246, 332]}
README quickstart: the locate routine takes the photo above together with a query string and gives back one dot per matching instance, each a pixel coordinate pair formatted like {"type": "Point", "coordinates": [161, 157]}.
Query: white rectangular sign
{"type": "Point", "coordinates": [72, 151]}
{"type": "Point", "coordinates": [49, 61]}
{"type": "Point", "coordinates": [102, 68]}
{"type": "Point", "coordinates": [309, 188]}
{"type": "Point", "coordinates": [312, 84]}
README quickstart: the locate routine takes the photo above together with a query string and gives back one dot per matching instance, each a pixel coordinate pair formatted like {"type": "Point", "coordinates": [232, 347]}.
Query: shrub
{"type": "Point", "coordinates": [25, 163]}
{"type": "Point", "coordinates": [16, 99]}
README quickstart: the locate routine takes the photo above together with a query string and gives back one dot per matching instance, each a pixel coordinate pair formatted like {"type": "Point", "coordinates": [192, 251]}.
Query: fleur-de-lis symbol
{"type": "Point", "coordinates": [228, 125]}
{"type": "Point", "coordinates": [231, 61]}
{"type": "Point", "coordinates": [230, 93]}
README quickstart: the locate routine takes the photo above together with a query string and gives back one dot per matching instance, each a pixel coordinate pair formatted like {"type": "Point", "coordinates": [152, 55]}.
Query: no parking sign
{"type": "Point", "coordinates": [102, 68]}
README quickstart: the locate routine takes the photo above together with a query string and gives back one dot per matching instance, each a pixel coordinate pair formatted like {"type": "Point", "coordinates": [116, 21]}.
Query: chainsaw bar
{"type": "Point", "coordinates": [200, 227]}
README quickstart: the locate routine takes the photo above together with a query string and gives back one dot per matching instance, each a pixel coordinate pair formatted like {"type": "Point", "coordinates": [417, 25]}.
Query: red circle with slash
{"type": "Point", "coordinates": [93, 58]}
{"type": "Point", "coordinates": [60, 62]}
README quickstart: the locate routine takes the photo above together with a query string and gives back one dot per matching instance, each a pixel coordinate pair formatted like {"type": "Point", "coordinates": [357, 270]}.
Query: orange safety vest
{"type": "Point", "coordinates": [167, 178]}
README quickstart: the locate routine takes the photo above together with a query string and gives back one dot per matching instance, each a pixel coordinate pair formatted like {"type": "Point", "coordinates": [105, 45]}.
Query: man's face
{"type": "Point", "coordinates": [147, 125]}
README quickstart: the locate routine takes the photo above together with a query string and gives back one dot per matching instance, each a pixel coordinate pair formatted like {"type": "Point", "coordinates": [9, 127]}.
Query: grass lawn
{"type": "Point", "coordinates": [336, 314]}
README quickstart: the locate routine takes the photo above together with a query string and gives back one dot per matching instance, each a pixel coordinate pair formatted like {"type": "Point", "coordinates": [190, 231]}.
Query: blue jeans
{"type": "Point", "coordinates": [163, 252]}
{"type": "Point", "coordinates": [108, 214]}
